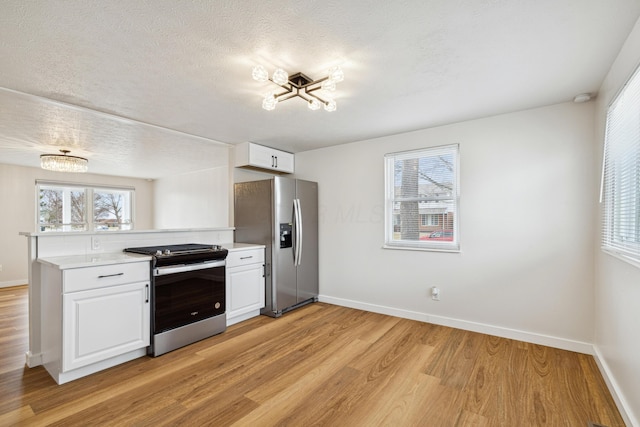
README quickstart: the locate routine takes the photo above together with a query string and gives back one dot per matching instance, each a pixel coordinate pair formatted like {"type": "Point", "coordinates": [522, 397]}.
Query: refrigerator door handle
{"type": "Point", "coordinates": [301, 245]}
{"type": "Point", "coordinates": [298, 232]}
{"type": "Point", "coordinates": [294, 232]}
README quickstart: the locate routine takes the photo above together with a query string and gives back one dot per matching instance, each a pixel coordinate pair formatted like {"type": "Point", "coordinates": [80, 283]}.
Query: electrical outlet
{"type": "Point", "coordinates": [0, 267]}
{"type": "Point", "coordinates": [95, 243]}
{"type": "Point", "coordinates": [435, 293]}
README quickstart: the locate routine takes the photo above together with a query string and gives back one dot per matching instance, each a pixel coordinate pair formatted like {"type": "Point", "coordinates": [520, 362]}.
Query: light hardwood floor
{"type": "Point", "coordinates": [320, 365]}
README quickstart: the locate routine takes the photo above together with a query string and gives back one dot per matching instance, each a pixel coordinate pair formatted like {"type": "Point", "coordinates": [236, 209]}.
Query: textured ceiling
{"type": "Point", "coordinates": [107, 79]}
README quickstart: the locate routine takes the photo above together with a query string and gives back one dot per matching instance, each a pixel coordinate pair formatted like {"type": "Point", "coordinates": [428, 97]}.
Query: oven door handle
{"type": "Point", "coordinates": [183, 268]}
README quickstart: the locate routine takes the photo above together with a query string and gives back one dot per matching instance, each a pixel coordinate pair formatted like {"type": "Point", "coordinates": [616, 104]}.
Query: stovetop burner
{"type": "Point", "coordinates": [181, 254]}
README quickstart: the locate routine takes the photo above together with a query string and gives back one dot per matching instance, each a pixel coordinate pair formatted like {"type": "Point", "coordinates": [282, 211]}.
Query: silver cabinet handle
{"type": "Point", "coordinates": [246, 257]}
{"type": "Point", "coordinates": [110, 275]}
{"type": "Point", "coordinates": [147, 293]}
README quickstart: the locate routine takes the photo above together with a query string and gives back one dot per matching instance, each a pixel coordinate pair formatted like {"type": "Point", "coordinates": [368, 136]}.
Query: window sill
{"type": "Point", "coordinates": [414, 248]}
{"type": "Point", "coordinates": [622, 257]}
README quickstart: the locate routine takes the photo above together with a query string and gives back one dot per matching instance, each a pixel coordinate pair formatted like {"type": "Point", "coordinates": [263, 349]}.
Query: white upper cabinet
{"type": "Point", "coordinates": [254, 156]}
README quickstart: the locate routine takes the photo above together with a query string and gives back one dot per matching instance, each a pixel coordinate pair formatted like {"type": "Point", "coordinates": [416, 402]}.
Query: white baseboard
{"type": "Point", "coordinates": [65, 377]}
{"type": "Point", "coordinates": [561, 343]}
{"type": "Point", "coordinates": [614, 389]}
{"type": "Point", "coordinates": [33, 360]}
{"type": "Point", "coordinates": [11, 283]}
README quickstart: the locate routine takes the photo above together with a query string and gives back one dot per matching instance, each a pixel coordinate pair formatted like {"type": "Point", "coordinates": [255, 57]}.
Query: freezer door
{"type": "Point", "coordinates": [254, 224]}
{"type": "Point", "coordinates": [307, 269]}
{"type": "Point", "coordinates": [253, 207]}
{"type": "Point", "coordinates": [284, 270]}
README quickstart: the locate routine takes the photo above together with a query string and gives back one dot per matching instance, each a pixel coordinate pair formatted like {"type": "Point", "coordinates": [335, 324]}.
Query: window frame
{"type": "Point", "coordinates": [90, 225]}
{"type": "Point", "coordinates": [617, 176]}
{"type": "Point", "coordinates": [390, 242]}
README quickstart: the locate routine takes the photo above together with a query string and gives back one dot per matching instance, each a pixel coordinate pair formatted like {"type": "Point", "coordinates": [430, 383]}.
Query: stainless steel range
{"type": "Point", "coordinates": [187, 294]}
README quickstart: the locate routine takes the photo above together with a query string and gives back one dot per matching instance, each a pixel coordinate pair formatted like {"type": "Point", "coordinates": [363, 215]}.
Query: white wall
{"type": "Point", "coordinates": [617, 283]}
{"type": "Point", "coordinates": [528, 200]}
{"type": "Point", "coordinates": [18, 211]}
{"type": "Point", "coordinates": [193, 200]}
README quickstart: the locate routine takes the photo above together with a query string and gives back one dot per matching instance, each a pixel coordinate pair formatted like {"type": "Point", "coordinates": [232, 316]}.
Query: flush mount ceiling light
{"type": "Point", "coordinates": [301, 86]}
{"type": "Point", "coordinates": [63, 162]}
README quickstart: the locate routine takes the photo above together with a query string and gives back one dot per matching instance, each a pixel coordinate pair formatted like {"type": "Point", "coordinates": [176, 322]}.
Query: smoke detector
{"type": "Point", "coordinates": [583, 97]}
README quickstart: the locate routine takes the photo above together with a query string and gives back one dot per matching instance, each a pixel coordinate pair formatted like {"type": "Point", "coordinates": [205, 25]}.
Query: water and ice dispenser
{"type": "Point", "coordinates": [285, 235]}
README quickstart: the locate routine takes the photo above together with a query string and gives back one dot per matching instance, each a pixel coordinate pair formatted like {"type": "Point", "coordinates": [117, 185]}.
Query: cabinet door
{"type": "Point", "coordinates": [103, 323]}
{"type": "Point", "coordinates": [263, 157]}
{"type": "Point", "coordinates": [284, 162]}
{"type": "Point", "coordinates": [245, 289]}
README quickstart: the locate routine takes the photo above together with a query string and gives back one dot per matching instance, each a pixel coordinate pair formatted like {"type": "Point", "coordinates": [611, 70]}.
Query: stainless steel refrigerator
{"type": "Point", "coordinates": [282, 214]}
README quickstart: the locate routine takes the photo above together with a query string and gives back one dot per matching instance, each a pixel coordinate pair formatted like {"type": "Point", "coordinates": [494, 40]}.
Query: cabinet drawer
{"type": "Point", "coordinates": [82, 279]}
{"type": "Point", "coordinates": [244, 257]}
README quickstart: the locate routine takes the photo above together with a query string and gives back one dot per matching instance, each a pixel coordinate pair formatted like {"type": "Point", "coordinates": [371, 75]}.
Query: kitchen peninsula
{"type": "Point", "coordinates": [63, 267]}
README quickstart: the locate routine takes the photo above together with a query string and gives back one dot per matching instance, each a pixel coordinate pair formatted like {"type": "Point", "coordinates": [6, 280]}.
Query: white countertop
{"type": "Point", "coordinates": [129, 232]}
{"type": "Point", "coordinates": [108, 258]}
{"type": "Point", "coordinates": [241, 246]}
{"type": "Point", "coordinates": [92, 260]}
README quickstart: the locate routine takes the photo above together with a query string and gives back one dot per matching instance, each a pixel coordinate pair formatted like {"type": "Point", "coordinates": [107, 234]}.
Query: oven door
{"type": "Point", "coordinates": [187, 293]}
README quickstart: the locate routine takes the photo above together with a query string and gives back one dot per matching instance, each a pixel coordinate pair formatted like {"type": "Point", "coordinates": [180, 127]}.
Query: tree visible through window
{"type": "Point", "coordinates": [109, 208]}
{"type": "Point", "coordinates": [65, 208]}
{"type": "Point", "coordinates": [422, 198]}
{"type": "Point", "coordinates": [62, 209]}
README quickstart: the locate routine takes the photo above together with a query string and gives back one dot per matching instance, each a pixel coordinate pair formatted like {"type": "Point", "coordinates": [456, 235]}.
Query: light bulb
{"type": "Point", "coordinates": [280, 77]}
{"type": "Point", "coordinates": [330, 105]}
{"type": "Point", "coordinates": [329, 85]}
{"type": "Point", "coordinates": [260, 74]}
{"type": "Point", "coordinates": [314, 104]}
{"type": "Point", "coordinates": [336, 74]}
{"type": "Point", "coordinates": [269, 102]}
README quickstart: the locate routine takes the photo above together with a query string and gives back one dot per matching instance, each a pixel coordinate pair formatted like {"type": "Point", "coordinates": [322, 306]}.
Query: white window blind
{"type": "Point", "coordinates": [421, 203]}
{"type": "Point", "coordinates": [620, 193]}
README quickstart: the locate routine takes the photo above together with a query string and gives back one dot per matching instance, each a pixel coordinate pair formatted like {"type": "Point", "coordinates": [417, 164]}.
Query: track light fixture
{"type": "Point", "coordinates": [301, 86]}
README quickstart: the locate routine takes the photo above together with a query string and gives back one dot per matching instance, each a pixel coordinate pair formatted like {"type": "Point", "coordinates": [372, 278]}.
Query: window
{"type": "Point", "coordinates": [72, 207]}
{"type": "Point", "coordinates": [620, 193]}
{"type": "Point", "coordinates": [421, 206]}
{"type": "Point", "coordinates": [429, 219]}
{"type": "Point", "coordinates": [111, 209]}
{"type": "Point", "coordinates": [62, 209]}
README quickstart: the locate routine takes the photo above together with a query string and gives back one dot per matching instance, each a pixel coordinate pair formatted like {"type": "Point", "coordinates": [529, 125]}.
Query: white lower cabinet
{"type": "Point", "coordinates": [94, 318]}
{"type": "Point", "coordinates": [244, 284]}
{"type": "Point", "coordinates": [103, 323]}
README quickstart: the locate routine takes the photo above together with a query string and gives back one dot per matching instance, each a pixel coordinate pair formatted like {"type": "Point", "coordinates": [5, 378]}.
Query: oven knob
{"type": "Point", "coordinates": [167, 252]}
{"type": "Point", "coordinates": [217, 305]}
{"type": "Point", "coordinates": [158, 252]}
